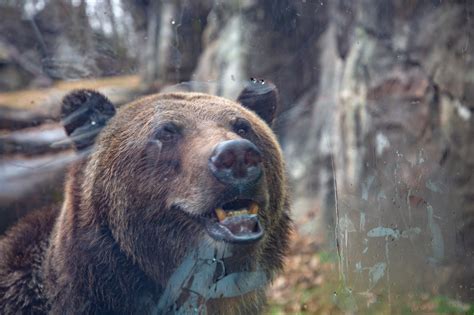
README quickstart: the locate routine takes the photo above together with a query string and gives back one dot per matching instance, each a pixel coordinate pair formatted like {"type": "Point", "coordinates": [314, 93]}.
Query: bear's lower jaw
{"type": "Point", "coordinates": [241, 229]}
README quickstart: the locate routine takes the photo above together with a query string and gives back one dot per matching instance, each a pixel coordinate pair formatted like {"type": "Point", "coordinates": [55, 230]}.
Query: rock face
{"type": "Point", "coordinates": [382, 93]}
{"type": "Point", "coordinates": [403, 129]}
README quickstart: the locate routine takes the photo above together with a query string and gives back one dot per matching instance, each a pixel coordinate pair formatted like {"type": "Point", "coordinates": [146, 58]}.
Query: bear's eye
{"type": "Point", "coordinates": [167, 132]}
{"type": "Point", "coordinates": [241, 127]}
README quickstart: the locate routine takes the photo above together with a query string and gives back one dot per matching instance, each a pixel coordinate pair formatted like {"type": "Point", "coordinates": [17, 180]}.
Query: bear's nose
{"type": "Point", "coordinates": [236, 162]}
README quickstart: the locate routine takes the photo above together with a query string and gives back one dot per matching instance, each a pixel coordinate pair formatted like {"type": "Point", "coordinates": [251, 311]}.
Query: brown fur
{"type": "Point", "coordinates": [127, 220]}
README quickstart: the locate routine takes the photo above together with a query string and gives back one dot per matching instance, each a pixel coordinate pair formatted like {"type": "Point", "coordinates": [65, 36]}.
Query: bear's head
{"type": "Point", "coordinates": [171, 171]}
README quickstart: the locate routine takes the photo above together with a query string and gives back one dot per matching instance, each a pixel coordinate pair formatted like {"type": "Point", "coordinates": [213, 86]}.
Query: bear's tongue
{"type": "Point", "coordinates": [243, 224]}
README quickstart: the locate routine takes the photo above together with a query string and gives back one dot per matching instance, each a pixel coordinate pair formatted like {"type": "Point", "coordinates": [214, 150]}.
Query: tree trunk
{"type": "Point", "coordinates": [173, 40]}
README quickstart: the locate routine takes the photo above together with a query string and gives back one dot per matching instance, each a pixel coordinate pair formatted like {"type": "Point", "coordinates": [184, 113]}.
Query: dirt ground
{"type": "Point", "coordinates": [310, 284]}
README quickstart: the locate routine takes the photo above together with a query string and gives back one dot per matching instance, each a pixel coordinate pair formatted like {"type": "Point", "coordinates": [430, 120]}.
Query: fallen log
{"type": "Point", "coordinates": [45, 139]}
{"type": "Point", "coordinates": [29, 183]}
{"type": "Point", "coordinates": [14, 119]}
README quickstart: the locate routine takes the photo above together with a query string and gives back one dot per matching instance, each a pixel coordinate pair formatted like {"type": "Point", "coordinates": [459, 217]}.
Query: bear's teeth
{"type": "Point", "coordinates": [253, 208]}
{"type": "Point", "coordinates": [221, 215]}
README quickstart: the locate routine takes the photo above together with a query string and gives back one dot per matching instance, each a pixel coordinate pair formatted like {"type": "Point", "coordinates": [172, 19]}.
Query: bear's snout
{"type": "Point", "coordinates": [236, 162]}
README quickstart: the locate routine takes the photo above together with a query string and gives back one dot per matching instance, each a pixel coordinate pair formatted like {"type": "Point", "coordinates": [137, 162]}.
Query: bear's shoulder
{"type": "Point", "coordinates": [21, 255]}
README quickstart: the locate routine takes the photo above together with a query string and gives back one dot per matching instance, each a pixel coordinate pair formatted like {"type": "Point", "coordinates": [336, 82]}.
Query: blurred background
{"type": "Point", "coordinates": [376, 125]}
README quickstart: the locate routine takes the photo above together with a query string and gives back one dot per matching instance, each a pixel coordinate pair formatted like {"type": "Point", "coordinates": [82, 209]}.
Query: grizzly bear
{"type": "Point", "coordinates": [177, 203]}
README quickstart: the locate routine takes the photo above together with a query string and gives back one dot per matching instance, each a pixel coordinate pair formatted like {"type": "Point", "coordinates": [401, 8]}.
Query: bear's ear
{"type": "Point", "coordinates": [261, 97]}
{"type": "Point", "coordinates": [84, 113]}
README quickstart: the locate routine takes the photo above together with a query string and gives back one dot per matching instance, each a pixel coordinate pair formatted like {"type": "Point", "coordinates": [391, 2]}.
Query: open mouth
{"type": "Point", "coordinates": [236, 222]}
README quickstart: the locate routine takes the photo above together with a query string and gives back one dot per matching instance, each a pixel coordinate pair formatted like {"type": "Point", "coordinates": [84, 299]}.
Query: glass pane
{"type": "Point", "coordinates": [370, 101]}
